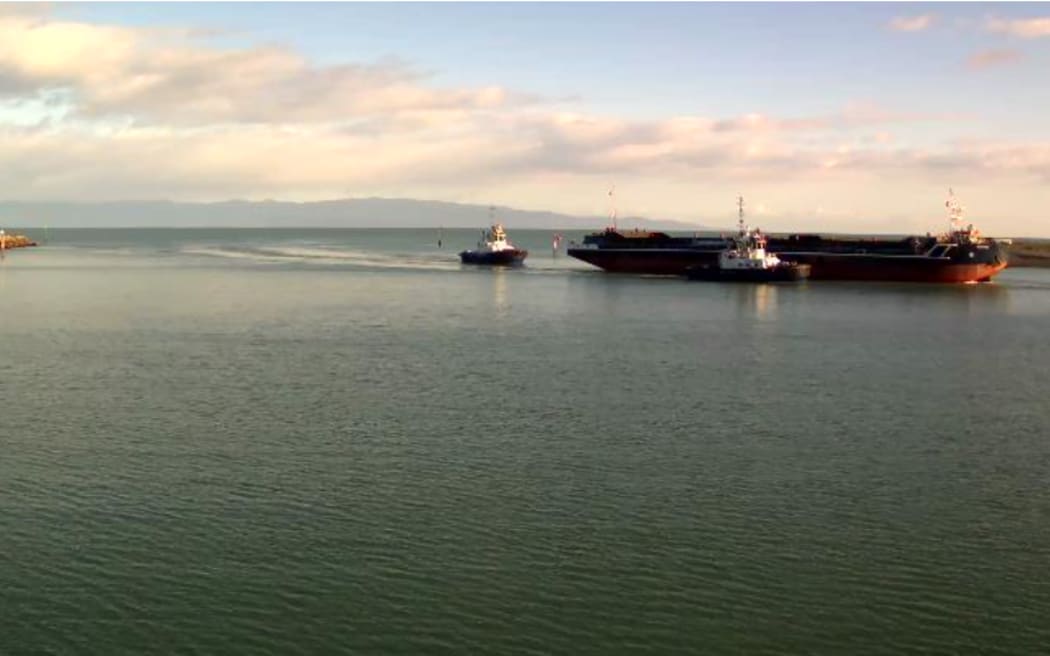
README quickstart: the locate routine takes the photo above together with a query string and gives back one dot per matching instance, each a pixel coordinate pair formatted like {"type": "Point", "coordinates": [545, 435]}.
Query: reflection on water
{"type": "Point", "coordinates": [989, 295]}
{"type": "Point", "coordinates": [757, 301]}
{"type": "Point", "coordinates": [915, 297]}
{"type": "Point", "coordinates": [500, 302]}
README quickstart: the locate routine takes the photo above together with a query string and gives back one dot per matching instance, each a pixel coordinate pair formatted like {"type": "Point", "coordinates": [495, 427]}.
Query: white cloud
{"type": "Point", "coordinates": [912, 23]}
{"type": "Point", "coordinates": [1026, 28]}
{"type": "Point", "coordinates": [82, 161]}
{"type": "Point", "coordinates": [174, 76]}
{"type": "Point", "coordinates": [992, 58]}
{"type": "Point", "coordinates": [166, 114]}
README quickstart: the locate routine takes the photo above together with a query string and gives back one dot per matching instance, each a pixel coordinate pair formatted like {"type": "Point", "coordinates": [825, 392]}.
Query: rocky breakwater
{"type": "Point", "coordinates": [8, 242]}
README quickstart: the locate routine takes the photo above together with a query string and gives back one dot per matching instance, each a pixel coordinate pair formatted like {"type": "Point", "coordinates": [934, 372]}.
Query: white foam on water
{"type": "Point", "coordinates": [366, 259]}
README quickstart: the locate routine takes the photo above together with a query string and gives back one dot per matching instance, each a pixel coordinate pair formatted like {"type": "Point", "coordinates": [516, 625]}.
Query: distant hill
{"type": "Point", "coordinates": [344, 213]}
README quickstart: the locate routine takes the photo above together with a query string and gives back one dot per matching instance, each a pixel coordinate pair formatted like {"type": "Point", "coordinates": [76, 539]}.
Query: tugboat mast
{"type": "Point", "coordinates": [955, 212]}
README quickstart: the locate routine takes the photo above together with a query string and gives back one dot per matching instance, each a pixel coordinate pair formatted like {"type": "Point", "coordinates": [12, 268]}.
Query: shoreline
{"type": "Point", "coordinates": [1027, 254]}
{"type": "Point", "coordinates": [1023, 253]}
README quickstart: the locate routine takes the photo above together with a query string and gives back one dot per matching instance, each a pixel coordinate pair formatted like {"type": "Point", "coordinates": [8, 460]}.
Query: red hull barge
{"type": "Point", "coordinates": [959, 256]}
{"type": "Point", "coordinates": [651, 261]}
{"type": "Point", "coordinates": [901, 269]}
{"type": "Point", "coordinates": [914, 259]}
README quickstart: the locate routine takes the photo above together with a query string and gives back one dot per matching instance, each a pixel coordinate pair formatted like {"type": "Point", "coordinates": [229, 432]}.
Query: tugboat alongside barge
{"type": "Point", "coordinates": [748, 261]}
{"type": "Point", "coordinates": [961, 255]}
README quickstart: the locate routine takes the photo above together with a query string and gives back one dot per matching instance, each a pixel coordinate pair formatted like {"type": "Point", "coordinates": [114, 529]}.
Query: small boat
{"type": "Point", "coordinates": [494, 249]}
{"type": "Point", "coordinates": [746, 260]}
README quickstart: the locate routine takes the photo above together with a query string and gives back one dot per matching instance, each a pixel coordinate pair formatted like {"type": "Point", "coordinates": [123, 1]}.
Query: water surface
{"type": "Point", "coordinates": [326, 441]}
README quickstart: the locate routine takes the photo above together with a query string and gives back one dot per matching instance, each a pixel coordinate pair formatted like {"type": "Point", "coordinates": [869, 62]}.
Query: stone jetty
{"type": "Point", "coordinates": [15, 241]}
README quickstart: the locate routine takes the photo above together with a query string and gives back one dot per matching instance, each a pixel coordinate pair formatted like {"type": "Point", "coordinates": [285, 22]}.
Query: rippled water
{"type": "Point", "coordinates": [343, 441]}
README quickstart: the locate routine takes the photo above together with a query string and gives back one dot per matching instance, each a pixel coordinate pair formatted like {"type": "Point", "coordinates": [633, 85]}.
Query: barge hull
{"type": "Point", "coordinates": [823, 266]}
{"type": "Point", "coordinates": [658, 262]}
{"type": "Point", "coordinates": [895, 269]}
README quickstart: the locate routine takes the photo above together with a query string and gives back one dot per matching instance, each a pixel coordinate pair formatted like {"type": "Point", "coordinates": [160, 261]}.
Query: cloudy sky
{"type": "Point", "coordinates": [831, 116]}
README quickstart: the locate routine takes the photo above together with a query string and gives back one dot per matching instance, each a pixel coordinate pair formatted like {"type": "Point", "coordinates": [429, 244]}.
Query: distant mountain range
{"type": "Point", "coordinates": [344, 213]}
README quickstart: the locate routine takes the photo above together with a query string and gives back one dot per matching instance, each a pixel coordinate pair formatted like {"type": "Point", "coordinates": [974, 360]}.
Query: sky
{"type": "Point", "coordinates": [830, 116]}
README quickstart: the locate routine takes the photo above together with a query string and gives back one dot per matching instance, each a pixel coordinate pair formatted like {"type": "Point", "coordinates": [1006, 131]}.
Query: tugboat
{"type": "Point", "coordinates": [494, 249]}
{"type": "Point", "coordinates": [746, 260]}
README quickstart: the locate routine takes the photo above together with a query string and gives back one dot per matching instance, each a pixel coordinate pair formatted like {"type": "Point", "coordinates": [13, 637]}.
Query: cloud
{"type": "Point", "coordinates": [81, 161]}
{"type": "Point", "coordinates": [853, 115]}
{"type": "Point", "coordinates": [755, 122]}
{"type": "Point", "coordinates": [992, 58]}
{"type": "Point", "coordinates": [96, 112]}
{"type": "Point", "coordinates": [911, 23]}
{"type": "Point", "coordinates": [168, 75]}
{"type": "Point", "coordinates": [23, 9]}
{"type": "Point", "coordinates": [537, 161]}
{"type": "Point", "coordinates": [1026, 28]}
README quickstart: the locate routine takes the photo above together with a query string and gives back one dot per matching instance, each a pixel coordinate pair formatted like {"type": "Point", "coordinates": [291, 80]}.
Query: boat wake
{"type": "Point", "coordinates": [329, 257]}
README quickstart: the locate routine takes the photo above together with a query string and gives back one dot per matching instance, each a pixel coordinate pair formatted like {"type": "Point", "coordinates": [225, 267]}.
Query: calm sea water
{"type": "Point", "coordinates": [247, 442]}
